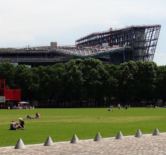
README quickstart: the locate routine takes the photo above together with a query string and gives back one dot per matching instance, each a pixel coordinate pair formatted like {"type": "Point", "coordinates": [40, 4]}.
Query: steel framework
{"type": "Point", "coordinates": [113, 46]}
{"type": "Point", "coordinates": [141, 39]}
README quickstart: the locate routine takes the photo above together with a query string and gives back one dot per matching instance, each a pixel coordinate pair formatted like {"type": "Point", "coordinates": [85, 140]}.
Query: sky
{"type": "Point", "coordinates": [38, 22]}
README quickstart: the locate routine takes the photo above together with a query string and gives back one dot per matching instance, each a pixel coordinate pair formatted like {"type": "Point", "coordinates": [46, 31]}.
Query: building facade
{"type": "Point", "coordinates": [142, 41]}
{"type": "Point", "coordinates": [137, 43]}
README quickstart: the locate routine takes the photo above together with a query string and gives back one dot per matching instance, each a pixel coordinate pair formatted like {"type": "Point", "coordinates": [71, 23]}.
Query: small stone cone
{"type": "Point", "coordinates": [98, 137]}
{"type": "Point", "coordinates": [74, 139]}
{"type": "Point", "coordinates": [156, 132]}
{"type": "Point", "coordinates": [48, 141]}
{"type": "Point", "coordinates": [20, 144]}
{"type": "Point", "coordinates": [119, 135]}
{"type": "Point", "coordinates": [138, 133]}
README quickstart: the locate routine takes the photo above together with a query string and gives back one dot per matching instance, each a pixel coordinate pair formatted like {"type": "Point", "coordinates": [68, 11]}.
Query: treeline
{"type": "Point", "coordinates": [88, 82]}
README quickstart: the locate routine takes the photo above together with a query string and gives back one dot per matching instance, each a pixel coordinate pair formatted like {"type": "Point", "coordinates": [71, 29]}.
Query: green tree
{"type": "Point", "coordinates": [127, 79]}
{"type": "Point", "coordinates": [161, 83]}
{"type": "Point", "coordinates": [73, 81]}
{"type": "Point", "coordinates": [112, 83]}
{"type": "Point", "coordinates": [23, 79]}
{"type": "Point", "coordinates": [7, 72]}
{"type": "Point", "coordinates": [145, 80]}
{"type": "Point", "coordinates": [95, 78]}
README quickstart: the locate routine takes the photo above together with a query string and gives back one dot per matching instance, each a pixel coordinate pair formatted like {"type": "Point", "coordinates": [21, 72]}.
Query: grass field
{"type": "Point", "coordinates": [86, 122]}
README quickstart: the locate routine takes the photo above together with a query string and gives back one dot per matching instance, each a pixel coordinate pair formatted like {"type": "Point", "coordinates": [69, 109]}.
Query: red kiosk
{"type": "Point", "coordinates": [7, 94]}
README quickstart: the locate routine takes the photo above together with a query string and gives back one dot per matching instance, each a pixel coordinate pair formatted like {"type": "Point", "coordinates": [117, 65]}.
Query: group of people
{"type": "Point", "coordinates": [37, 116]}
{"type": "Point", "coordinates": [17, 125]}
{"type": "Point", "coordinates": [14, 125]}
{"type": "Point", "coordinates": [118, 106]}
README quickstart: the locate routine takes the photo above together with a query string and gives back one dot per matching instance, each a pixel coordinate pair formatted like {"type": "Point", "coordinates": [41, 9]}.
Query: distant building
{"type": "Point", "coordinates": [53, 45]}
{"type": "Point", "coordinates": [113, 46]}
{"type": "Point", "coordinates": [141, 39]}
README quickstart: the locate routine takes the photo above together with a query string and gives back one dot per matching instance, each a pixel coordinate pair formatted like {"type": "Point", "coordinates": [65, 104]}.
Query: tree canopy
{"type": "Point", "coordinates": [88, 82]}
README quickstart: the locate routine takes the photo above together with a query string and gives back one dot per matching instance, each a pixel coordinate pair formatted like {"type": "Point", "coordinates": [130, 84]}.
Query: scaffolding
{"type": "Point", "coordinates": [141, 39]}
{"type": "Point", "coordinates": [113, 46]}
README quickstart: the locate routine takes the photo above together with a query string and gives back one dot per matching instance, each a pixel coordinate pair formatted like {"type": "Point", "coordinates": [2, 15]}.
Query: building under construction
{"type": "Point", "coordinates": [113, 46]}
{"type": "Point", "coordinates": [140, 40]}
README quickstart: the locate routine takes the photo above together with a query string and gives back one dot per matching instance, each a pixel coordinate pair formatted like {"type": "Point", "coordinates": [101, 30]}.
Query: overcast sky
{"type": "Point", "coordinates": [38, 22]}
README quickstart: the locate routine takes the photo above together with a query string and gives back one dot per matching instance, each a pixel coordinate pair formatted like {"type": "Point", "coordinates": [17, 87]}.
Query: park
{"type": "Point", "coordinates": [82, 77]}
{"type": "Point", "coordinates": [61, 124]}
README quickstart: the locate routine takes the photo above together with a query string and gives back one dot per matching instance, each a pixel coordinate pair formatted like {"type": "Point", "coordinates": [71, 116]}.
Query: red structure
{"type": "Point", "coordinates": [9, 94]}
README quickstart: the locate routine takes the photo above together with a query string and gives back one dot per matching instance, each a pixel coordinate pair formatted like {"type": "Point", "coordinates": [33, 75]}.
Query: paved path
{"type": "Point", "coordinates": [130, 145]}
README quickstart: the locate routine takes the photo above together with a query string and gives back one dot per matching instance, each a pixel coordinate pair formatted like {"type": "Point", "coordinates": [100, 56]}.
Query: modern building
{"type": "Point", "coordinates": [142, 41]}
{"type": "Point", "coordinates": [113, 46]}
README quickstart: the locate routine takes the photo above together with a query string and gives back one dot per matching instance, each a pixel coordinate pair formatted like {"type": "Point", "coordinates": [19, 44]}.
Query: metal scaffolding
{"type": "Point", "coordinates": [113, 46]}
{"type": "Point", "coordinates": [141, 39]}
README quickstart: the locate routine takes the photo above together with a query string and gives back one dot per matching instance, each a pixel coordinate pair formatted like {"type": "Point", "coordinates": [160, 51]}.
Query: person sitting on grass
{"type": "Point", "coordinates": [110, 108]}
{"type": "Point", "coordinates": [17, 125]}
{"type": "Point", "coordinates": [29, 117]}
{"type": "Point", "coordinates": [21, 123]}
{"type": "Point", "coordinates": [13, 125]}
{"type": "Point", "coordinates": [37, 115]}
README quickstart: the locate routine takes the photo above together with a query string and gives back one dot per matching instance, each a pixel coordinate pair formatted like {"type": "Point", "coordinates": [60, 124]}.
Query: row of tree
{"type": "Point", "coordinates": [88, 82]}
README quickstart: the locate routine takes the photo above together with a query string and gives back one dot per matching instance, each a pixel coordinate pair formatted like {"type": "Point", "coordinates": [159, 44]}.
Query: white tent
{"type": "Point", "coordinates": [23, 102]}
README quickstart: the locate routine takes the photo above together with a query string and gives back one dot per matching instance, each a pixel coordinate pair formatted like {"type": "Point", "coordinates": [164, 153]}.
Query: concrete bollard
{"type": "Point", "coordinates": [98, 137]}
{"type": "Point", "coordinates": [20, 144]}
{"type": "Point", "coordinates": [48, 141]}
{"type": "Point", "coordinates": [74, 139]}
{"type": "Point", "coordinates": [138, 133]}
{"type": "Point", "coordinates": [156, 132]}
{"type": "Point", "coordinates": [119, 135]}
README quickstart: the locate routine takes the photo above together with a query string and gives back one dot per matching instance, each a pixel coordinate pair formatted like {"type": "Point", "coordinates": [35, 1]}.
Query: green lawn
{"type": "Point", "coordinates": [61, 124]}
